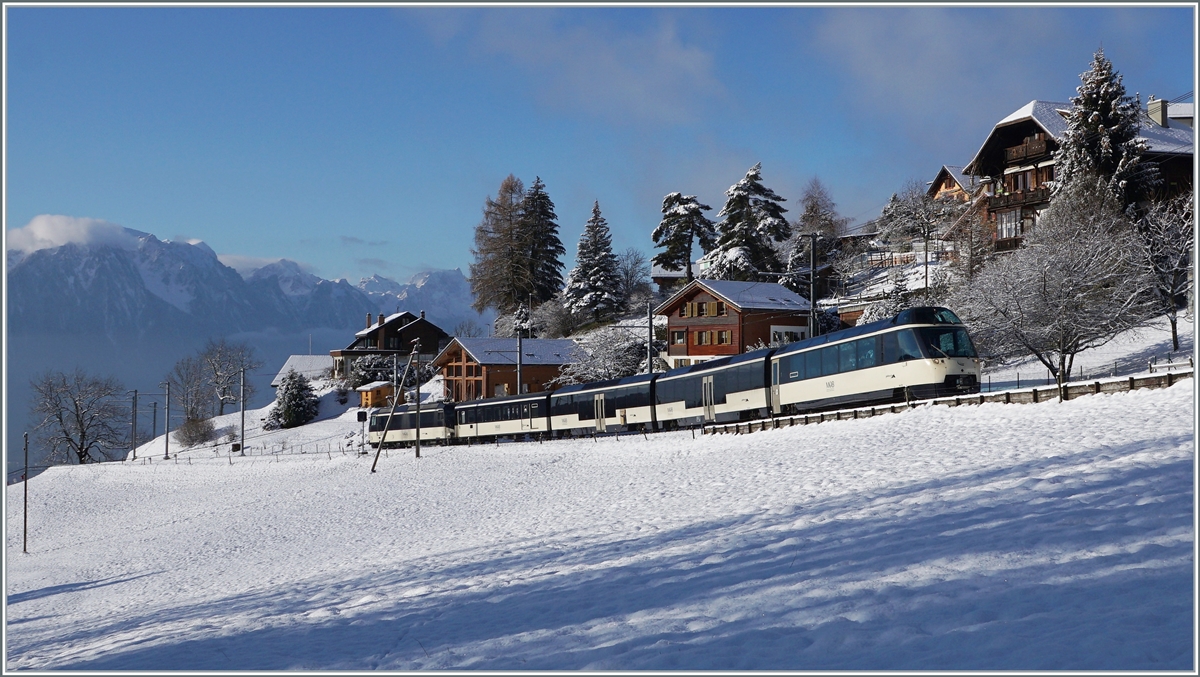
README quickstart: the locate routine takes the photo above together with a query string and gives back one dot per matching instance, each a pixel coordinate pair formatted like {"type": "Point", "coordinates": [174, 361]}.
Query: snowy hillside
{"type": "Point", "coordinates": [1047, 536]}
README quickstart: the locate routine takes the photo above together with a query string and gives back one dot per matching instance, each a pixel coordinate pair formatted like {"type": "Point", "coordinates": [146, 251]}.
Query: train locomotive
{"type": "Point", "coordinates": [920, 353]}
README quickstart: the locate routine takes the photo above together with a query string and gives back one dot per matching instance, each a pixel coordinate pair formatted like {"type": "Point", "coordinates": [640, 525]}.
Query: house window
{"type": "Point", "coordinates": [678, 338]}
{"type": "Point", "coordinates": [724, 337]}
{"type": "Point", "coordinates": [683, 310]}
{"type": "Point", "coordinates": [721, 312]}
{"type": "Point", "coordinates": [703, 338]}
{"type": "Point", "coordinates": [701, 309]}
{"type": "Point", "coordinates": [683, 363]}
{"type": "Point", "coordinates": [1008, 224]}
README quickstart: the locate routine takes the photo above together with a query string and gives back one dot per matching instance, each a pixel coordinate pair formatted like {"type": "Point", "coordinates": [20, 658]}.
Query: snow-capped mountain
{"type": "Point", "coordinates": [153, 286]}
{"type": "Point", "coordinates": [444, 295]}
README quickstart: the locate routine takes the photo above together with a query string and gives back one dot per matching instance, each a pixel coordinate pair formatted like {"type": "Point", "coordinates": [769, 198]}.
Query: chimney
{"type": "Point", "coordinates": [1157, 109]}
{"type": "Point", "coordinates": [368, 320]}
{"type": "Point", "coordinates": [381, 319]}
{"type": "Point", "coordinates": [422, 314]}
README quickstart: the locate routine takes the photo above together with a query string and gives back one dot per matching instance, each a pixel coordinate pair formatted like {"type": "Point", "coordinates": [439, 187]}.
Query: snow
{"type": "Point", "coordinates": [1022, 537]}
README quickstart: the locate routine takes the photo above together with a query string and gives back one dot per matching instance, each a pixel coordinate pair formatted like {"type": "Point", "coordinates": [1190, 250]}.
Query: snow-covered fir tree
{"type": "Point", "coordinates": [1102, 137]}
{"type": "Point", "coordinates": [892, 303]}
{"type": "Point", "coordinates": [295, 402]}
{"type": "Point", "coordinates": [683, 224]}
{"type": "Point", "coordinates": [751, 226]}
{"type": "Point", "coordinates": [539, 225]}
{"type": "Point", "coordinates": [593, 284]}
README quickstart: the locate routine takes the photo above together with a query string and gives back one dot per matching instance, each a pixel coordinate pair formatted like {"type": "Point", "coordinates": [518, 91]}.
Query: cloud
{"type": "Point", "coordinates": [572, 60]}
{"type": "Point", "coordinates": [373, 265]}
{"type": "Point", "coordinates": [350, 240]}
{"type": "Point", "coordinates": [47, 231]}
{"type": "Point", "coordinates": [245, 265]}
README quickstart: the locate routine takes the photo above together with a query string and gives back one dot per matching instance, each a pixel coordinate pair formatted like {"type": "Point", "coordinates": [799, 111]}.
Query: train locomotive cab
{"type": "Point", "coordinates": [920, 353]}
{"type": "Point", "coordinates": [436, 425]}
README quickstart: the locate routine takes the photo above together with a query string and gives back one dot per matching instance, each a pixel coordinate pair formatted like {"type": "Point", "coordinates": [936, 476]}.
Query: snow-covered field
{"type": "Point", "coordinates": [1027, 537]}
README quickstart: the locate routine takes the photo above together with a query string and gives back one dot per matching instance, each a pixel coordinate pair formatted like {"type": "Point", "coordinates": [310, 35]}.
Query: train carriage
{"type": "Point", "coordinates": [512, 416]}
{"type": "Point", "coordinates": [918, 354]}
{"type": "Point", "coordinates": [727, 389]}
{"type": "Point", "coordinates": [437, 425]}
{"type": "Point", "coordinates": [618, 405]}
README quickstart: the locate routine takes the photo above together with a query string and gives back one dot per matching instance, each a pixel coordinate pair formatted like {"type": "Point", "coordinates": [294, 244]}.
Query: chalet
{"type": "Point", "coordinates": [1016, 161]}
{"type": "Point", "coordinates": [475, 368]}
{"type": "Point", "coordinates": [392, 335]}
{"type": "Point", "coordinates": [951, 182]}
{"type": "Point", "coordinates": [712, 318]}
{"type": "Point", "coordinates": [375, 394]}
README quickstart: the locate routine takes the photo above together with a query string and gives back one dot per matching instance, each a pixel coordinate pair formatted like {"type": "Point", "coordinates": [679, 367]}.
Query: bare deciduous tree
{"type": "Point", "coordinates": [190, 388]}
{"type": "Point", "coordinates": [1165, 239]}
{"type": "Point", "coordinates": [223, 362]}
{"type": "Point", "coordinates": [80, 416]}
{"type": "Point", "coordinates": [913, 213]}
{"type": "Point", "coordinates": [610, 352]}
{"type": "Point", "coordinates": [1074, 284]}
{"type": "Point", "coordinates": [633, 279]}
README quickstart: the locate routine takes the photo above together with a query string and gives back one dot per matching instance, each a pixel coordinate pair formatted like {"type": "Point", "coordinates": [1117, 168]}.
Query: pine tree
{"type": "Point", "coordinates": [592, 285]}
{"type": "Point", "coordinates": [295, 402]}
{"type": "Point", "coordinates": [683, 222]}
{"type": "Point", "coordinates": [1102, 137]}
{"type": "Point", "coordinates": [539, 229]}
{"type": "Point", "coordinates": [753, 223]}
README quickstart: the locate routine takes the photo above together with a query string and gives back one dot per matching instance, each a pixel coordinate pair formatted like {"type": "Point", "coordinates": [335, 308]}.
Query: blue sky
{"type": "Point", "coordinates": [365, 140]}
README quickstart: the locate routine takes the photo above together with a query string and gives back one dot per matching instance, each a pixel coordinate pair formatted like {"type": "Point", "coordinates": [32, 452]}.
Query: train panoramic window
{"type": "Point", "coordinates": [847, 356]}
{"type": "Point", "coordinates": [891, 348]}
{"type": "Point", "coordinates": [908, 346]}
{"type": "Point", "coordinates": [866, 352]}
{"type": "Point", "coordinates": [947, 342]}
{"type": "Point", "coordinates": [829, 360]}
{"type": "Point", "coordinates": [812, 364]}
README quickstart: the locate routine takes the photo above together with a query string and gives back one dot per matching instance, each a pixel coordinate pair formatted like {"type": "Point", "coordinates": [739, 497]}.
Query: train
{"type": "Point", "coordinates": [920, 353]}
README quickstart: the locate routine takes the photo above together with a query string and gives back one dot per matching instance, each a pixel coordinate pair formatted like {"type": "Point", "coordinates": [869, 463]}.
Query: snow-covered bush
{"type": "Point", "coordinates": [196, 431]}
{"type": "Point", "coordinates": [295, 403]}
{"type": "Point", "coordinates": [611, 352]}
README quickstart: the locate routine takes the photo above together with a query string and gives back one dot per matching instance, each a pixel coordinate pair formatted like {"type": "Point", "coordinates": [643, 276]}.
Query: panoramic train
{"type": "Point", "coordinates": [920, 353]}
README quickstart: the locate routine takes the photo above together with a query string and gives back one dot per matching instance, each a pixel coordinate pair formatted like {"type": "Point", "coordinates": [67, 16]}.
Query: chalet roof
{"type": "Point", "coordinates": [965, 181]}
{"type": "Point", "coordinates": [1176, 138]}
{"type": "Point", "coordinates": [373, 385]}
{"type": "Point", "coordinates": [400, 316]}
{"type": "Point", "coordinates": [554, 352]}
{"type": "Point", "coordinates": [308, 366]}
{"type": "Point", "coordinates": [743, 295]}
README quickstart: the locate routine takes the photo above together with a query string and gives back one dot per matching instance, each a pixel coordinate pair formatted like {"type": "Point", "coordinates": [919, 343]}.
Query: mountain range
{"type": "Point", "coordinates": [144, 287]}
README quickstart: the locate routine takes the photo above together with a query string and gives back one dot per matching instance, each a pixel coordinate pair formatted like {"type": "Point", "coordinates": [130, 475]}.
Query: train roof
{"type": "Point", "coordinates": [720, 362]}
{"type": "Point", "coordinates": [626, 381]}
{"type": "Point", "coordinates": [919, 315]}
{"type": "Point", "coordinates": [487, 401]}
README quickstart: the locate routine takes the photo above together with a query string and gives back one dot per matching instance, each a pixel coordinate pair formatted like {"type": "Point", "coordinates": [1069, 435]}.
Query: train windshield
{"type": "Point", "coordinates": [946, 342]}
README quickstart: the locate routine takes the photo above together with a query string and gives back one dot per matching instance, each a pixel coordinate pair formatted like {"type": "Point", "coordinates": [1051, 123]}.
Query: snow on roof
{"type": "Point", "coordinates": [756, 295]}
{"type": "Point", "coordinates": [308, 366]}
{"type": "Point", "coordinates": [1177, 137]}
{"type": "Point", "coordinates": [533, 351]}
{"type": "Point", "coordinates": [386, 321]}
{"type": "Point", "coordinates": [373, 385]}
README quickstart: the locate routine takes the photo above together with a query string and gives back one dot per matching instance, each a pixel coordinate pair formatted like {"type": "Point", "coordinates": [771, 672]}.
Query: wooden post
{"type": "Point", "coordinates": [25, 533]}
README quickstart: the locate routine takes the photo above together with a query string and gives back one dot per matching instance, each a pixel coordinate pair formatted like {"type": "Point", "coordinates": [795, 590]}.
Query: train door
{"type": "Point", "coordinates": [706, 395]}
{"type": "Point", "coordinates": [775, 386]}
{"type": "Point", "coordinates": [598, 412]}
{"type": "Point", "coordinates": [526, 418]}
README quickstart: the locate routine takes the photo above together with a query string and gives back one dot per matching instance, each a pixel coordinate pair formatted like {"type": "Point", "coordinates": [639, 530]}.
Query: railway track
{"type": "Point", "coordinates": [1015, 396]}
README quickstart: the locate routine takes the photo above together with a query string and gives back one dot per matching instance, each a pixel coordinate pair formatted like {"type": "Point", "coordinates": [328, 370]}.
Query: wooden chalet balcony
{"type": "Point", "coordinates": [1024, 151]}
{"type": "Point", "coordinates": [1021, 197]}
{"type": "Point", "coordinates": [1009, 244]}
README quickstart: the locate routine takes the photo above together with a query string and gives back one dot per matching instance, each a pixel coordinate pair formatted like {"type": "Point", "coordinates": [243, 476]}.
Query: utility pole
{"type": "Point", "coordinates": [417, 352]}
{"type": "Point", "coordinates": [167, 424]}
{"type": "Point", "coordinates": [25, 534]}
{"type": "Point", "coordinates": [242, 397]}
{"type": "Point", "coordinates": [133, 432]}
{"type": "Point", "coordinates": [649, 340]}
{"type": "Point", "coordinates": [812, 284]}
